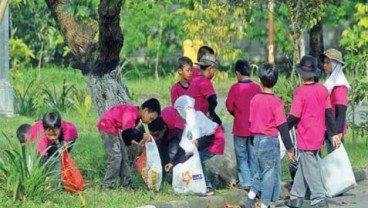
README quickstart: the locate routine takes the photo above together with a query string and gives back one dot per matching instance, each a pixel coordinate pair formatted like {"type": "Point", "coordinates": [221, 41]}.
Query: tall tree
{"type": "Point", "coordinates": [316, 40]}
{"type": "Point", "coordinates": [97, 58]}
{"type": "Point", "coordinates": [303, 14]}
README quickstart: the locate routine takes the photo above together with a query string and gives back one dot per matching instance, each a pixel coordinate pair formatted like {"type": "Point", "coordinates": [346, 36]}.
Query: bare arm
{"type": "Point", "coordinates": [3, 5]}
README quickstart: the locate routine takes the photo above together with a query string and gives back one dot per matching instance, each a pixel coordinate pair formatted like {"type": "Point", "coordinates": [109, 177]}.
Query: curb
{"type": "Point", "coordinates": [232, 197]}
{"type": "Point", "coordinates": [361, 175]}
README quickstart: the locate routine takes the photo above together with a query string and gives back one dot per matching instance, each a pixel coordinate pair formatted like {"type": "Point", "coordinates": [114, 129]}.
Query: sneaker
{"type": "Point", "coordinates": [128, 187]}
{"type": "Point", "coordinates": [295, 203]}
{"type": "Point", "coordinates": [245, 188]}
{"type": "Point", "coordinates": [209, 192]}
{"type": "Point", "coordinates": [250, 203]}
{"type": "Point", "coordinates": [107, 188]}
{"type": "Point", "coordinates": [321, 204]}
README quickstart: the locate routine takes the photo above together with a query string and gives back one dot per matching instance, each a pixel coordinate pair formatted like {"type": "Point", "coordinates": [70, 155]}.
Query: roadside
{"type": "Point", "coordinates": [355, 198]}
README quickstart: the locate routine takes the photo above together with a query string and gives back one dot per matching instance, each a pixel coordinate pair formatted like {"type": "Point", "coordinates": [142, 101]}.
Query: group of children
{"type": "Point", "coordinates": [318, 111]}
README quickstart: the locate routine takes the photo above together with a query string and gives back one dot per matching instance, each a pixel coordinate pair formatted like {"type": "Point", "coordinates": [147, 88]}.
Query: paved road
{"type": "Point", "coordinates": [355, 198]}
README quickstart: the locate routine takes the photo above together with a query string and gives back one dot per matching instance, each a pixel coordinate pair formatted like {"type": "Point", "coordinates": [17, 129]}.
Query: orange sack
{"type": "Point", "coordinates": [71, 177]}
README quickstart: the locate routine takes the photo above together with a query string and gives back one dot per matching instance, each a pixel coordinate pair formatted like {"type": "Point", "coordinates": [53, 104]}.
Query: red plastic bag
{"type": "Point", "coordinates": [141, 163]}
{"type": "Point", "coordinates": [71, 177]}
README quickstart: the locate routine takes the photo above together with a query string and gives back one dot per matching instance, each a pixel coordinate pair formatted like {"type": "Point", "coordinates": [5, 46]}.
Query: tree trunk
{"type": "Point", "coordinates": [107, 90]}
{"type": "Point", "coordinates": [271, 46]}
{"type": "Point", "coordinates": [316, 42]}
{"type": "Point", "coordinates": [98, 60]}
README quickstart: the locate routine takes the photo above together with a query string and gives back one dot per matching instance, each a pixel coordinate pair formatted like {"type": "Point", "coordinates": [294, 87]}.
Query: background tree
{"type": "Point", "coordinates": [220, 24]}
{"type": "Point", "coordinates": [303, 14]}
{"type": "Point", "coordinates": [355, 41]}
{"type": "Point", "coordinates": [316, 41]}
{"type": "Point", "coordinates": [155, 33]}
{"type": "Point", "coordinates": [97, 56]}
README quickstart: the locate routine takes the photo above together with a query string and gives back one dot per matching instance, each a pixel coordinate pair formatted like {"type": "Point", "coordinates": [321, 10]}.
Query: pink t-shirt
{"type": "Point", "coordinates": [171, 118]}
{"type": "Point", "coordinates": [218, 145]}
{"type": "Point", "coordinates": [200, 89]}
{"type": "Point", "coordinates": [37, 131]}
{"type": "Point", "coordinates": [238, 102]}
{"type": "Point", "coordinates": [266, 114]}
{"type": "Point", "coordinates": [177, 90]}
{"type": "Point", "coordinates": [119, 117]}
{"type": "Point", "coordinates": [195, 72]}
{"type": "Point", "coordinates": [339, 96]}
{"type": "Point", "coordinates": [309, 104]}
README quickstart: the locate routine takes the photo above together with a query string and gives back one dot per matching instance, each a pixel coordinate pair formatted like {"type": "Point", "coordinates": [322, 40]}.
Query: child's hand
{"type": "Point", "coordinates": [290, 154]}
{"type": "Point", "coordinates": [196, 143]}
{"type": "Point", "coordinates": [340, 136]}
{"type": "Point", "coordinates": [336, 141]}
{"type": "Point", "coordinates": [64, 145]}
{"type": "Point", "coordinates": [135, 142]}
{"type": "Point", "coordinates": [168, 167]}
{"type": "Point", "coordinates": [146, 138]}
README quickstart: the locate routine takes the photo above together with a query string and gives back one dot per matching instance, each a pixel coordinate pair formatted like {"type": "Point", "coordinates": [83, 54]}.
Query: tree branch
{"type": "Point", "coordinates": [78, 41]}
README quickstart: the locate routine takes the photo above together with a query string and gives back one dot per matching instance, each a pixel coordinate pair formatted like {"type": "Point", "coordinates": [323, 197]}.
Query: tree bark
{"type": "Point", "coordinates": [316, 41]}
{"type": "Point", "coordinates": [98, 60]}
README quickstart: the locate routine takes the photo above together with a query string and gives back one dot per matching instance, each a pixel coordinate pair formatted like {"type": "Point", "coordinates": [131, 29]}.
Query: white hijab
{"type": "Point", "coordinates": [336, 78]}
{"type": "Point", "coordinates": [196, 123]}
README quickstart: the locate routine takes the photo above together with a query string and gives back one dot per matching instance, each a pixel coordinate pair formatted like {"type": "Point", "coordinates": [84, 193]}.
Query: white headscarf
{"type": "Point", "coordinates": [336, 78]}
{"type": "Point", "coordinates": [196, 123]}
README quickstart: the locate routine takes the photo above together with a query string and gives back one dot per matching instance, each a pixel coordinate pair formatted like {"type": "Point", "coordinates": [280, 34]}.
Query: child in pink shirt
{"type": "Point", "coordinates": [199, 130]}
{"type": "Point", "coordinates": [202, 90]}
{"type": "Point", "coordinates": [124, 118]}
{"type": "Point", "coordinates": [338, 87]}
{"type": "Point", "coordinates": [311, 112]}
{"type": "Point", "coordinates": [185, 73]}
{"type": "Point", "coordinates": [51, 129]}
{"type": "Point", "coordinates": [267, 118]}
{"type": "Point", "coordinates": [237, 104]}
{"type": "Point", "coordinates": [51, 133]}
{"type": "Point", "coordinates": [167, 135]}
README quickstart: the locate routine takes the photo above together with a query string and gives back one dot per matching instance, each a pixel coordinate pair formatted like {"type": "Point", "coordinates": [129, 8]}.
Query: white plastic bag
{"type": "Point", "coordinates": [337, 173]}
{"type": "Point", "coordinates": [153, 171]}
{"type": "Point", "coordinates": [282, 146]}
{"type": "Point", "coordinates": [188, 177]}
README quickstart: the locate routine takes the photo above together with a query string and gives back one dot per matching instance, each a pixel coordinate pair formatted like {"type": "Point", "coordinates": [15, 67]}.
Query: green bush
{"type": "Point", "coordinates": [22, 174]}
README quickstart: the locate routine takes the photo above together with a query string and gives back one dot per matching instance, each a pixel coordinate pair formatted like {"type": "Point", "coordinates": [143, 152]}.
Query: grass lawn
{"type": "Point", "coordinates": [89, 155]}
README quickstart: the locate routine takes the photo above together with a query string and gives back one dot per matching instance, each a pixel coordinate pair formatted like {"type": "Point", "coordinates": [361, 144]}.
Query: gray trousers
{"type": "Point", "coordinates": [308, 175]}
{"type": "Point", "coordinates": [117, 161]}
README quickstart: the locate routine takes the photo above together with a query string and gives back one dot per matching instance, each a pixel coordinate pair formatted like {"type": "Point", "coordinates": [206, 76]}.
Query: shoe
{"type": "Point", "coordinates": [294, 203]}
{"type": "Point", "coordinates": [209, 192]}
{"type": "Point", "coordinates": [250, 203]}
{"type": "Point", "coordinates": [321, 204]}
{"type": "Point", "coordinates": [107, 188]}
{"type": "Point", "coordinates": [245, 188]}
{"type": "Point", "coordinates": [128, 187]}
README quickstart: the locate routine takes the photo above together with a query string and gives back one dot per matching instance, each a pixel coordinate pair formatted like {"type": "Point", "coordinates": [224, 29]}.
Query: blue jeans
{"type": "Point", "coordinates": [267, 176]}
{"type": "Point", "coordinates": [244, 159]}
{"type": "Point", "coordinates": [205, 155]}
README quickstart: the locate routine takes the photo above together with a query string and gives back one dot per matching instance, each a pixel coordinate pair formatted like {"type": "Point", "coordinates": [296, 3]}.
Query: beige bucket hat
{"type": "Point", "coordinates": [332, 54]}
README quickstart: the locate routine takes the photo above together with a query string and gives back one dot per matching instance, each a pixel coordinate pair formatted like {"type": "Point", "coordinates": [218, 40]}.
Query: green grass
{"type": "Point", "coordinates": [89, 155]}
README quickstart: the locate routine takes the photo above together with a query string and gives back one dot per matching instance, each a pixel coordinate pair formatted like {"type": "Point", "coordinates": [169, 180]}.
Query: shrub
{"type": "Point", "coordinates": [22, 174]}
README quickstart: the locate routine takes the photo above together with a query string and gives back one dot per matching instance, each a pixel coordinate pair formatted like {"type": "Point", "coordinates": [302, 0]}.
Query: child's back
{"type": "Point", "coordinates": [239, 97]}
{"type": "Point", "coordinates": [267, 113]}
{"type": "Point", "coordinates": [309, 104]}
